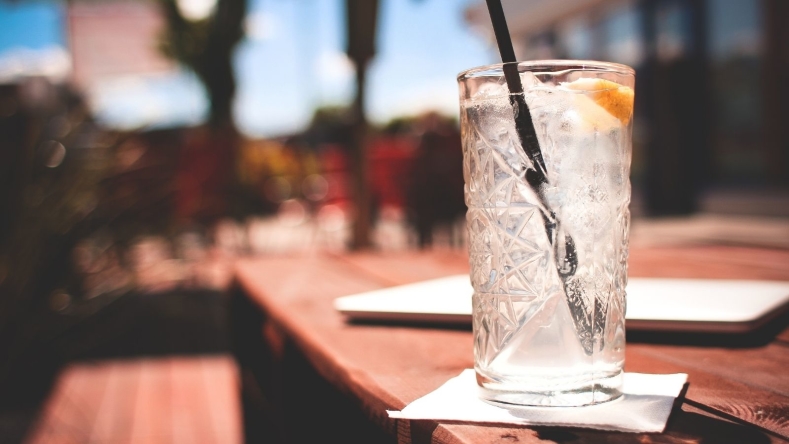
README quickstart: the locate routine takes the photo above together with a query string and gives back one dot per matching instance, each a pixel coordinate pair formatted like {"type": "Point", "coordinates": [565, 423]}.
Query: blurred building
{"type": "Point", "coordinates": [115, 39]}
{"type": "Point", "coordinates": [711, 86]}
{"type": "Point", "coordinates": [118, 64]}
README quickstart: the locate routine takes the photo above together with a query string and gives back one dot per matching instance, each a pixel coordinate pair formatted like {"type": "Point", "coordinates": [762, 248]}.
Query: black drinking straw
{"type": "Point", "coordinates": [537, 178]}
{"type": "Point", "coordinates": [523, 123]}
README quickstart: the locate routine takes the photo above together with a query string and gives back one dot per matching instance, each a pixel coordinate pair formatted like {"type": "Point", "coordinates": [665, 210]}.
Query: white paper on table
{"type": "Point", "coordinates": [644, 407]}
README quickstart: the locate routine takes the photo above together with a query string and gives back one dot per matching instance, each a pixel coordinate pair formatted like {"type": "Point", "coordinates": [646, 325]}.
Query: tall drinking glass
{"type": "Point", "coordinates": [549, 256]}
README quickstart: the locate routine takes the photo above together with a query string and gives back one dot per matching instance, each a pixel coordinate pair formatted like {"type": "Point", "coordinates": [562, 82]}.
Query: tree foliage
{"type": "Point", "coordinates": [206, 47]}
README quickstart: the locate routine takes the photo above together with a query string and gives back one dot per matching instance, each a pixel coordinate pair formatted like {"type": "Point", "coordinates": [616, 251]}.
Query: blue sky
{"type": "Point", "coordinates": [292, 61]}
{"type": "Point", "coordinates": [32, 24]}
{"type": "Point", "coordinates": [423, 46]}
{"type": "Point", "coordinates": [32, 37]}
{"type": "Point", "coordinates": [298, 65]}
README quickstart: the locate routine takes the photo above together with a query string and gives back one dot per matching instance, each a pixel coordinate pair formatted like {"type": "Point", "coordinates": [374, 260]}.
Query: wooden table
{"type": "Point", "coordinates": [170, 400]}
{"type": "Point", "coordinates": [308, 375]}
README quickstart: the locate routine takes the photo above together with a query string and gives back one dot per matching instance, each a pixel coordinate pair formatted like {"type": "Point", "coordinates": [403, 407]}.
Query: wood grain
{"type": "Point", "coordinates": [386, 367]}
{"type": "Point", "coordinates": [220, 398]}
{"type": "Point", "coordinates": [112, 423]}
{"type": "Point", "coordinates": [760, 367]}
{"type": "Point", "coordinates": [171, 400]}
{"type": "Point", "coordinates": [408, 267]}
{"type": "Point", "coordinates": [73, 406]}
{"type": "Point", "coordinates": [188, 412]}
{"type": "Point", "coordinates": [729, 398]}
{"type": "Point", "coordinates": [712, 262]}
{"type": "Point", "coordinates": [150, 409]}
{"type": "Point", "coordinates": [765, 367]}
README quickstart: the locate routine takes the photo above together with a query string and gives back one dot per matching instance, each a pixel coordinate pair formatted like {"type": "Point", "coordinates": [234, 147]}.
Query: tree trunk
{"type": "Point", "coordinates": [362, 20]}
{"type": "Point", "coordinates": [361, 227]}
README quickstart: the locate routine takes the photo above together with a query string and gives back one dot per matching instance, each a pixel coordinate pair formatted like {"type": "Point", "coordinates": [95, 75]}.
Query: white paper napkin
{"type": "Point", "coordinates": [644, 406]}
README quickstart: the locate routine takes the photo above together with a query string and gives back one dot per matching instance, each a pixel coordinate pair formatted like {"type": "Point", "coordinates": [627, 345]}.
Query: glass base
{"type": "Point", "coordinates": [597, 391]}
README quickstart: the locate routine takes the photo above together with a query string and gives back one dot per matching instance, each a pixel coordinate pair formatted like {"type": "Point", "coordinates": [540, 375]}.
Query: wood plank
{"type": "Point", "coordinates": [705, 261]}
{"type": "Point", "coordinates": [712, 262]}
{"type": "Point", "coordinates": [390, 366]}
{"type": "Point", "coordinates": [761, 367]}
{"type": "Point", "coordinates": [114, 421]}
{"type": "Point", "coordinates": [687, 424]}
{"type": "Point", "coordinates": [732, 399]}
{"type": "Point", "coordinates": [170, 400]}
{"type": "Point", "coordinates": [408, 267]}
{"type": "Point", "coordinates": [150, 411]}
{"type": "Point", "coordinates": [189, 414]}
{"type": "Point", "coordinates": [70, 412]}
{"type": "Point", "coordinates": [221, 396]}
{"type": "Point", "coordinates": [204, 406]}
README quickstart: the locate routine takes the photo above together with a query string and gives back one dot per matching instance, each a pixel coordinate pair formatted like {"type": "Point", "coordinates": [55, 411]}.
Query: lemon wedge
{"type": "Point", "coordinates": [611, 96]}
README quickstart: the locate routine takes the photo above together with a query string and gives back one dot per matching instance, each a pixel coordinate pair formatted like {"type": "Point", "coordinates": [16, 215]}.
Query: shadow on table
{"type": "Point", "coordinates": [426, 325]}
{"type": "Point", "coordinates": [758, 337]}
{"type": "Point", "coordinates": [284, 396]}
{"type": "Point", "coordinates": [683, 426]}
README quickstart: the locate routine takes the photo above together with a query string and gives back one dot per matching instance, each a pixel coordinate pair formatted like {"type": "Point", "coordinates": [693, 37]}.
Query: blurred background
{"type": "Point", "coordinates": [146, 144]}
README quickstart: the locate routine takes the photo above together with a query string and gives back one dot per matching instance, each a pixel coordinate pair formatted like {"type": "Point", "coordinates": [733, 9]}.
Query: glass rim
{"type": "Point", "coordinates": [550, 65]}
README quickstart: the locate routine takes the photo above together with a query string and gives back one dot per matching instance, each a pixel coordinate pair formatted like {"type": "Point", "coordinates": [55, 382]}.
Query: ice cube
{"type": "Point", "coordinates": [488, 91]}
{"type": "Point", "coordinates": [529, 81]}
{"type": "Point", "coordinates": [493, 121]}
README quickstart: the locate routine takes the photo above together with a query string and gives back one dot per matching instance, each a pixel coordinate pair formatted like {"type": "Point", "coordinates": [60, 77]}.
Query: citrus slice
{"type": "Point", "coordinates": [611, 96]}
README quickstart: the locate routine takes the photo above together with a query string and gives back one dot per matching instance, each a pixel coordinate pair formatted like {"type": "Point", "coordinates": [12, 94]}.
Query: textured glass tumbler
{"type": "Point", "coordinates": [548, 256]}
